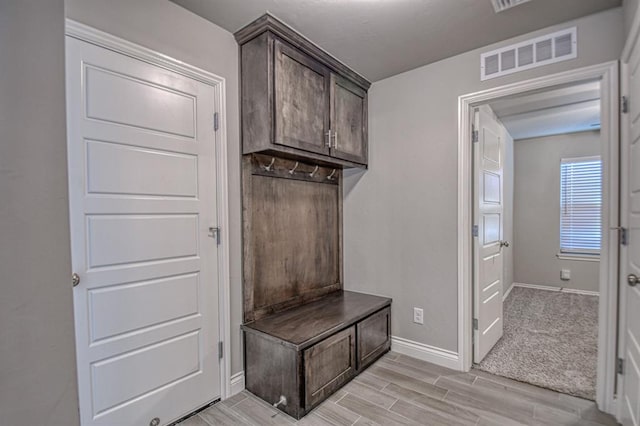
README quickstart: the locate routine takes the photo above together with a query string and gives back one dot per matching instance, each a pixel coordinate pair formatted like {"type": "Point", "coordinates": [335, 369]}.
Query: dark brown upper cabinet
{"type": "Point", "coordinates": [297, 100]}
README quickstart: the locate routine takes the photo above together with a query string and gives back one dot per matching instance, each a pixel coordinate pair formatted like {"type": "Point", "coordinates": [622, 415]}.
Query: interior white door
{"type": "Point", "coordinates": [630, 254]}
{"type": "Point", "coordinates": [488, 153]}
{"type": "Point", "coordinates": [142, 190]}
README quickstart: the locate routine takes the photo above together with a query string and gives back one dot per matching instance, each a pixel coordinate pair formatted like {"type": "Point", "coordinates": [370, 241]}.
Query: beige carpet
{"type": "Point", "coordinates": [550, 340]}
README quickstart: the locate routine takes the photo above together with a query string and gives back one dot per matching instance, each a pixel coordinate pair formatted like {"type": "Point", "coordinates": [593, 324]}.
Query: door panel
{"type": "Point", "coordinates": [488, 215]}
{"type": "Point", "coordinates": [348, 120]}
{"type": "Point", "coordinates": [630, 254]}
{"type": "Point", "coordinates": [142, 197]}
{"type": "Point", "coordinates": [328, 365]}
{"type": "Point", "coordinates": [301, 100]}
{"type": "Point", "coordinates": [374, 337]}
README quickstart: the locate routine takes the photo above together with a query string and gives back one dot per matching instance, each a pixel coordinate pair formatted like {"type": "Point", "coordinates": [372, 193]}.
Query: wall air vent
{"type": "Point", "coordinates": [544, 50]}
{"type": "Point", "coordinates": [500, 5]}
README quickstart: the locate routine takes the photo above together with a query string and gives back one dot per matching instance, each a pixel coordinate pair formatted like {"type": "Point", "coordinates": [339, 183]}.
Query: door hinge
{"type": "Point", "coordinates": [620, 366]}
{"type": "Point", "coordinates": [624, 236]}
{"type": "Point", "coordinates": [216, 121]}
{"type": "Point", "coordinates": [475, 323]}
{"type": "Point", "coordinates": [624, 105]}
{"type": "Point", "coordinates": [474, 134]}
{"type": "Point", "coordinates": [474, 230]}
{"type": "Point", "coordinates": [220, 349]}
{"type": "Point", "coordinates": [214, 232]}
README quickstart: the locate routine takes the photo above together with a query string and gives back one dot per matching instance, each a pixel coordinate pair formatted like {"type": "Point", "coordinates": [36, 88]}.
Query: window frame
{"type": "Point", "coordinates": [579, 253]}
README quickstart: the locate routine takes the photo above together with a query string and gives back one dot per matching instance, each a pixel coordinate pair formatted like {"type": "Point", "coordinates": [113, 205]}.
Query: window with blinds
{"type": "Point", "coordinates": [580, 205]}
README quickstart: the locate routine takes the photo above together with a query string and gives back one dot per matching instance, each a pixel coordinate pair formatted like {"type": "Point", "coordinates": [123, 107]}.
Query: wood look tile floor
{"type": "Point", "coordinates": [399, 390]}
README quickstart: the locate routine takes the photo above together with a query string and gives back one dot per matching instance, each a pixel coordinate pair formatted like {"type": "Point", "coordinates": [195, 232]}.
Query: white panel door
{"type": "Point", "coordinates": [630, 254]}
{"type": "Point", "coordinates": [488, 152]}
{"type": "Point", "coordinates": [142, 190]}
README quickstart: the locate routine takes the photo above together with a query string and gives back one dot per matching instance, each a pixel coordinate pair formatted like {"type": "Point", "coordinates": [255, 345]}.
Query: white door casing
{"type": "Point", "coordinates": [142, 191]}
{"type": "Point", "coordinates": [488, 153]}
{"type": "Point", "coordinates": [630, 219]}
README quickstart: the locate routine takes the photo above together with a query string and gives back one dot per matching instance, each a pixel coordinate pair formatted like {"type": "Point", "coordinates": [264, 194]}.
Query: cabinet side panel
{"type": "Point", "coordinates": [257, 94]}
{"type": "Point", "coordinates": [272, 371]}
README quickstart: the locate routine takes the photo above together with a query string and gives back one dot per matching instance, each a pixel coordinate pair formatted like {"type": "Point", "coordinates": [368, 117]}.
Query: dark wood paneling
{"type": "Point", "coordinates": [270, 23]}
{"type": "Point", "coordinates": [348, 120]}
{"type": "Point", "coordinates": [292, 234]}
{"type": "Point", "coordinates": [272, 370]}
{"type": "Point", "coordinates": [374, 337]}
{"type": "Point", "coordinates": [301, 100]}
{"type": "Point", "coordinates": [257, 93]}
{"type": "Point", "coordinates": [307, 324]}
{"type": "Point", "coordinates": [328, 365]}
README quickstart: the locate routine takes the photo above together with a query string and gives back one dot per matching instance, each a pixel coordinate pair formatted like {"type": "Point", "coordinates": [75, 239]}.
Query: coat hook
{"type": "Point", "coordinates": [294, 168]}
{"type": "Point", "coordinates": [270, 166]}
{"type": "Point", "coordinates": [330, 177]}
{"type": "Point", "coordinates": [314, 171]}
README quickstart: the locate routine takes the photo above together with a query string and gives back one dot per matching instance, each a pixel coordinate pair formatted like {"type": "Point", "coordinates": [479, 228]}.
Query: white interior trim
{"type": "Point", "coordinates": [505, 295]}
{"type": "Point", "coordinates": [237, 383]}
{"type": "Point", "coordinates": [438, 356]}
{"type": "Point", "coordinates": [117, 44]}
{"type": "Point", "coordinates": [557, 289]}
{"type": "Point", "coordinates": [607, 73]}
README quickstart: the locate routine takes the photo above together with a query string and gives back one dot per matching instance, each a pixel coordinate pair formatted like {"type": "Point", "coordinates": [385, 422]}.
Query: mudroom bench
{"type": "Point", "coordinates": [297, 358]}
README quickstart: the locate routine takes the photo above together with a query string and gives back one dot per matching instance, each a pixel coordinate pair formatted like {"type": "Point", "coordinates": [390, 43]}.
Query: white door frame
{"type": "Point", "coordinates": [99, 38]}
{"type": "Point", "coordinates": [625, 138]}
{"type": "Point", "coordinates": [607, 73]}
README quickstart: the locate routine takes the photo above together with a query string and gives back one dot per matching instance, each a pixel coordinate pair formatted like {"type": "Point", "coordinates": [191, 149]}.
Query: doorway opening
{"type": "Point", "coordinates": [537, 205]}
{"type": "Point", "coordinates": [482, 206]}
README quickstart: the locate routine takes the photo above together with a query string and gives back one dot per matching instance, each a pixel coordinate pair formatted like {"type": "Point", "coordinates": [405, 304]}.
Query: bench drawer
{"type": "Point", "coordinates": [328, 365]}
{"type": "Point", "coordinates": [374, 337]}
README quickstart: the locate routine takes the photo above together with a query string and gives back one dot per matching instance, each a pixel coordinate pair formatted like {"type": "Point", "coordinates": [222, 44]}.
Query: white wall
{"type": "Point", "coordinates": [37, 348]}
{"type": "Point", "coordinates": [167, 28]}
{"type": "Point", "coordinates": [537, 211]}
{"type": "Point", "coordinates": [400, 216]}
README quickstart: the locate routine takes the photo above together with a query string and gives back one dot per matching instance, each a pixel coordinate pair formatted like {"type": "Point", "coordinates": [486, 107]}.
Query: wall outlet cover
{"type": "Point", "coordinates": [418, 316]}
{"type": "Point", "coordinates": [565, 274]}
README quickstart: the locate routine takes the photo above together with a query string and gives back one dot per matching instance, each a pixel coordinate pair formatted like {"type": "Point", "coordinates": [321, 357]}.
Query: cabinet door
{"type": "Point", "coordinates": [301, 100]}
{"type": "Point", "coordinates": [373, 337]}
{"type": "Point", "coordinates": [348, 120]}
{"type": "Point", "coordinates": [328, 365]}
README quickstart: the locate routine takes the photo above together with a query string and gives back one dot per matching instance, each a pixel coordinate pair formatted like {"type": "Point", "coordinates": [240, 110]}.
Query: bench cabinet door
{"type": "Point", "coordinates": [328, 365]}
{"type": "Point", "coordinates": [373, 337]}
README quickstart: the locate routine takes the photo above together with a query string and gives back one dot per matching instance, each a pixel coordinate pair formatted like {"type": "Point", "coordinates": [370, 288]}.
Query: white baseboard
{"type": "Point", "coordinates": [237, 383]}
{"type": "Point", "coordinates": [438, 356]}
{"type": "Point", "coordinates": [504, 296]}
{"type": "Point", "coordinates": [558, 289]}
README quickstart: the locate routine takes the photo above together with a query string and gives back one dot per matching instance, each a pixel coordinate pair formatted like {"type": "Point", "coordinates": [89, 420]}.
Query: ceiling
{"type": "Point", "coordinates": [381, 38]}
{"type": "Point", "coordinates": [553, 112]}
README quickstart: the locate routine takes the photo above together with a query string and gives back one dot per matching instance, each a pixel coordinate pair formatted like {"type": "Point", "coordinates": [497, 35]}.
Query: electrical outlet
{"type": "Point", "coordinates": [418, 316]}
{"type": "Point", "coordinates": [565, 274]}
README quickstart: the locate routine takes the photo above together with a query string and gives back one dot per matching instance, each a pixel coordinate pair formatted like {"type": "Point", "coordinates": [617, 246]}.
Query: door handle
{"type": "Point", "coordinates": [328, 135]}
{"type": "Point", "coordinates": [75, 279]}
{"type": "Point", "coordinates": [504, 243]}
{"type": "Point", "coordinates": [335, 139]}
{"type": "Point", "coordinates": [632, 280]}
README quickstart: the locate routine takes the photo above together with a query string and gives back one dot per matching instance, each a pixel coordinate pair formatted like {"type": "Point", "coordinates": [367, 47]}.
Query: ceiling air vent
{"type": "Point", "coordinates": [500, 5]}
{"type": "Point", "coordinates": [544, 50]}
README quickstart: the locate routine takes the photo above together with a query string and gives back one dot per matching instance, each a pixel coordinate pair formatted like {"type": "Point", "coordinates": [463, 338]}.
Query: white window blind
{"type": "Point", "coordinates": [580, 205]}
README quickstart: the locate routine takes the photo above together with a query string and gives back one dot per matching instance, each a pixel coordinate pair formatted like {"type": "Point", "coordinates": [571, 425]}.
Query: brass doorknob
{"type": "Point", "coordinates": [632, 280]}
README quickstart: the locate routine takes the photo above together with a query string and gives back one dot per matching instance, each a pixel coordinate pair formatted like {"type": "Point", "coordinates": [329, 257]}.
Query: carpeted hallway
{"type": "Point", "coordinates": [550, 340]}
